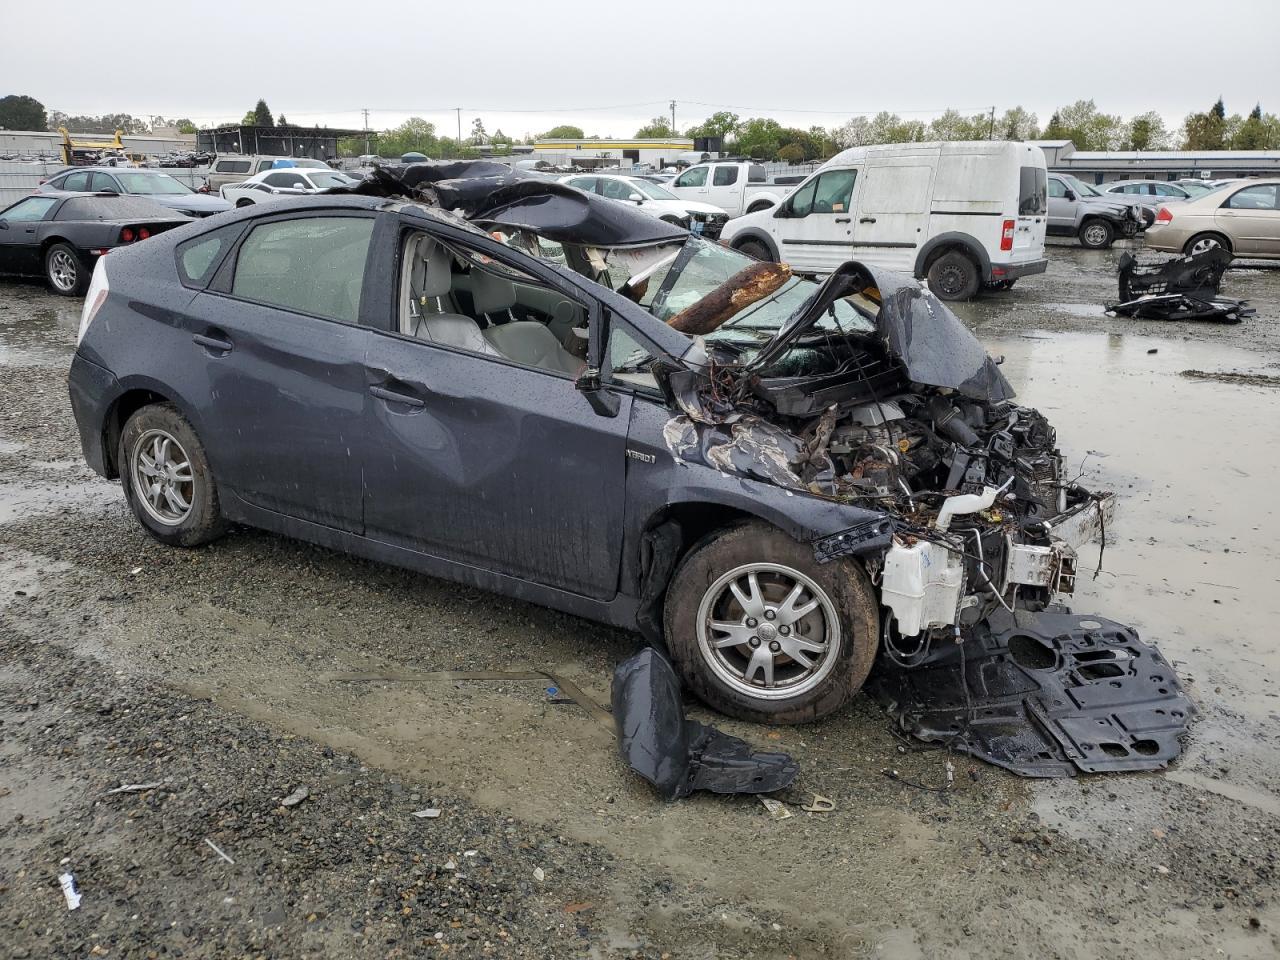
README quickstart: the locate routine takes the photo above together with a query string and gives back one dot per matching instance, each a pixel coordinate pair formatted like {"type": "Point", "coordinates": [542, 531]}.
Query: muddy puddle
{"type": "Point", "coordinates": [1194, 565]}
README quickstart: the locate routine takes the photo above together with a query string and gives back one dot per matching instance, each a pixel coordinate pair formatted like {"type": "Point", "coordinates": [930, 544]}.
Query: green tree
{"type": "Point", "coordinates": [185, 126]}
{"type": "Point", "coordinates": [1147, 132]}
{"type": "Point", "coordinates": [20, 112]}
{"type": "Point", "coordinates": [1219, 109]}
{"type": "Point", "coordinates": [759, 137]}
{"type": "Point", "coordinates": [262, 115]}
{"type": "Point", "coordinates": [563, 132]}
{"type": "Point", "coordinates": [951, 125]}
{"type": "Point", "coordinates": [478, 135]}
{"type": "Point", "coordinates": [722, 124]}
{"type": "Point", "coordinates": [1090, 130]}
{"type": "Point", "coordinates": [1055, 130]}
{"type": "Point", "coordinates": [1203, 131]}
{"type": "Point", "coordinates": [500, 137]}
{"type": "Point", "coordinates": [657, 127]}
{"type": "Point", "coordinates": [281, 121]}
{"type": "Point", "coordinates": [1017, 124]}
{"type": "Point", "coordinates": [247, 120]}
{"type": "Point", "coordinates": [791, 153]}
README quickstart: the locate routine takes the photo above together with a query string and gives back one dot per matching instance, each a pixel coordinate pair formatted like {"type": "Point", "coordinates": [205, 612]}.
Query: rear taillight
{"type": "Point", "coordinates": [1164, 215]}
{"type": "Point", "coordinates": [143, 233]}
{"type": "Point", "coordinates": [1006, 235]}
{"type": "Point", "coordinates": [127, 235]}
{"type": "Point", "coordinates": [94, 299]}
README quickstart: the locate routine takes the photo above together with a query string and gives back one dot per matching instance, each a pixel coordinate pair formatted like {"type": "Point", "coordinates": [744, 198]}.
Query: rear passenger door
{"type": "Point", "coordinates": [277, 349]}
{"type": "Point", "coordinates": [892, 216]}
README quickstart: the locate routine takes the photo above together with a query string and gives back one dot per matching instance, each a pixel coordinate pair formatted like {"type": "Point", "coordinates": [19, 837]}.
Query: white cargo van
{"type": "Point", "coordinates": [962, 215]}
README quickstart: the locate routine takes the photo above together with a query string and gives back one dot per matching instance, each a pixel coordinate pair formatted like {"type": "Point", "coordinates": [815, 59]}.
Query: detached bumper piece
{"type": "Point", "coordinates": [707, 225]}
{"type": "Point", "coordinates": [1049, 695]}
{"type": "Point", "coordinates": [1184, 288]}
{"type": "Point", "coordinates": [679, 756]}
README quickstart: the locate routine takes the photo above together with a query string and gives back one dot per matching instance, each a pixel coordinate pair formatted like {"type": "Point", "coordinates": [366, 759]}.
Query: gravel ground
{"type": "Point", "coordinates": [125, 662]}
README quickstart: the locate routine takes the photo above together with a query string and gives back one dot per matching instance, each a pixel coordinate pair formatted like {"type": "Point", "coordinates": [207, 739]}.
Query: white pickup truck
{"type": "Point", "coordinates": [735, 186]}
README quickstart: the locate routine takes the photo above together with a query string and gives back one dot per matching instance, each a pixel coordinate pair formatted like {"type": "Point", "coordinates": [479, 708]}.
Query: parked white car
{"type": "Point", "coordinates": [702, 218]}
{"type": "Point", "coordinates": [963, 215]}
{"type": "Point", "coordinates": [286, 181]}
{"type": "Point", "coordinates": [736, 186]}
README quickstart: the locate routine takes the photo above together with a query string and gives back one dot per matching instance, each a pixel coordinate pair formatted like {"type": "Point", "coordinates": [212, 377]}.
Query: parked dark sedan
{"type": "Point", "coordinates": [581, 406]}
{"type": "Point", "coordinates": [164, 189]}
{"type": "Point", "coordinates": [61, 237]}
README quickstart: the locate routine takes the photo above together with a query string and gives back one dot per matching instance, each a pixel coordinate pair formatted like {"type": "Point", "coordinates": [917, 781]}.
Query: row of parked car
{"type": "Point", "coordinates": [964, 216]}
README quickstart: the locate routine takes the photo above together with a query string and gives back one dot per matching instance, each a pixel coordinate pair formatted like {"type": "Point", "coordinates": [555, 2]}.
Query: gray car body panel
{"type": "Point", "coordinates": [310, 494]}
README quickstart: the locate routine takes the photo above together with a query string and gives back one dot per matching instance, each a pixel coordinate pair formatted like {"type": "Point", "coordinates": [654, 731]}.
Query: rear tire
{"type": "Point", "coordinates": [954, 276]}
{"type": "Point", "coordinates": [167, 480]}
{"type": "Point", "coordinates": [1206, 241]}
{"type": "Point", "coordinates": [67, 276]}
{"type": "Point", "coordinates": [761, 681]}
{"type": "Point", "coordinates": [1096, 234]}
{"type": "Point", "coordinates": [756, 249]}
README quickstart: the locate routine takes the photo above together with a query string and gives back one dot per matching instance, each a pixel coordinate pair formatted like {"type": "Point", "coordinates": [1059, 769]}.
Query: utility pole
{"type": "Point", "coordinates": [366, 130]}
{"type": "Point", "coordinates": [673, 118]}
{"type": "Point", "coordinates": [991, 130]}
{"type": "Point", "coordinates": [459, 109]}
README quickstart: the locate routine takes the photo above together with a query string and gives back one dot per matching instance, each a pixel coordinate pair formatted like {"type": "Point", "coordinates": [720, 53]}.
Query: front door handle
{"type": "Point", "coordinates": [393, 396]}
{"type": "Point", "coordinates": [843, 219]}
{"type": "Point", "coordinates": [866, 219]}
{"type": "Point", "coordinates": [212, 344]}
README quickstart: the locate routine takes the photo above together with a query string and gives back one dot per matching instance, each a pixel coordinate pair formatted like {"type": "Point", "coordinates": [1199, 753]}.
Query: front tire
{"type": "Point", "coordinates": [167, 480]}
{"type": "Point", "coordinates": [756, 249]}
{"type": "Point", "coordinates": [761, 631]}
{"type": "Point", "coordinates": [1096, 234]}
{"type": "Point", "coordinates": [67, 276]}
{"type": "Point", "coordinates": [954, 276]}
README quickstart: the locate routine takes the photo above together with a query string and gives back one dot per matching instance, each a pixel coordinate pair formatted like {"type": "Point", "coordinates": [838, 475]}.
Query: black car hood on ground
{"type": "Point", "coordinates": [934, 347]}
{"type": "Point", "coordinates": [493, 193]}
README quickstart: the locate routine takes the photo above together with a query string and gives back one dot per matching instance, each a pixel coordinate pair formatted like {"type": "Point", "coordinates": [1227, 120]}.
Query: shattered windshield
{"type": "Point", "coordinates": [703, 266]}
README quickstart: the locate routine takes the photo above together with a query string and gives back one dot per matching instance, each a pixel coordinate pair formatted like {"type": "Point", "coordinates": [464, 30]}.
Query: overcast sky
{"type": "Point", "coordinates": [524, 67]}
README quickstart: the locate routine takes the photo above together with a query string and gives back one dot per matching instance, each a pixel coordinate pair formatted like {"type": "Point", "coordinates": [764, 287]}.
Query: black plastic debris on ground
{"type": "Point", "coordinates": [1048, 695]}
{"type": "Point", "coordinates": [677, 755]}
{"type": "Point", "coordinates": [1184, 288]}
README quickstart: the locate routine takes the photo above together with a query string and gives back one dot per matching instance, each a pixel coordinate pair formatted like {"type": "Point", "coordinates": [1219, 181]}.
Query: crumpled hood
{"type": "Point", "coordinates": [934, 347]}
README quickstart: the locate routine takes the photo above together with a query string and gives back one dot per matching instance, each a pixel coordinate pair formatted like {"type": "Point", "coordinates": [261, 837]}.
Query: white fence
{"type": "Point", "coordinates": [19, 179]}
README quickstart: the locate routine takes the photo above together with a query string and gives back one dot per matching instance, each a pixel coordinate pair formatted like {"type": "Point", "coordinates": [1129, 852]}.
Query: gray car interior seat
{"type": "Point", "coordinates": [524, 341]}
{"type": "Point", "coordinates": [430, 282]}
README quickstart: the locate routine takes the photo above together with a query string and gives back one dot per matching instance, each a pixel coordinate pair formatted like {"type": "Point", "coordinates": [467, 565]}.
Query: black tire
{"type": "Point", "coordinates": [65, 271]}
{"type": "Point", "coordinates": [1210, 240]}
{"type": "Point", "coordinates": [757, 249]}
{"type": "Point", "coordinates": [203, 521]}
{"type": "Point", "coordinates": [829, 681]}
{"type": "Point", "coordinates": [954, 276]}
{"type": "Point", "coordinates": [1096, 234]}
{"type": "Point", "coordinates": [244, 202]}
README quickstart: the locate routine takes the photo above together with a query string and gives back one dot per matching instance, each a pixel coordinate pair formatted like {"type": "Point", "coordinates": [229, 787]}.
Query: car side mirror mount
{"type": "Point", "coordinates": [4, 224]}
{"type": "Point", "coordinates": [604, 402]}
{"type": "Point", "coordinates": [1070, 195]}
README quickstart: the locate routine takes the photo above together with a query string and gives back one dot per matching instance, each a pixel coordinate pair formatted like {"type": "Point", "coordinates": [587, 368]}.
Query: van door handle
{"type": "Point", "coordinates": [843, 219]}
{"type": "Point", "coordinates": [866, 219]}
{"type": "Point", "coordinates": [215, 345]}
{"type": "Point", "coordinates": [393, 396]}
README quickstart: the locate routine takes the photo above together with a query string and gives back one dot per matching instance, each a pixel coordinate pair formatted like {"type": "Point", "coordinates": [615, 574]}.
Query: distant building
{"type": "Point", "coordinates": [318, 143]}
{"type": "Point", "coordinates": [1104, 166]}
{"type": "Point", "coordinates": [34, 143]}
{"type": "Point", "coordinates": [656, 152]}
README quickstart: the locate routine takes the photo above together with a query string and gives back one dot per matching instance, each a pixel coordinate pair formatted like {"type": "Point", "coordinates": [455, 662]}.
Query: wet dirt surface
{"type": "Point", "coordinates": [127, 662]}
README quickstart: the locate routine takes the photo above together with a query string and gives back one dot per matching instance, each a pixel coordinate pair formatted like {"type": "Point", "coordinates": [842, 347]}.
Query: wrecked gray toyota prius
{"type": "Point", "coordinates": [509, 383]}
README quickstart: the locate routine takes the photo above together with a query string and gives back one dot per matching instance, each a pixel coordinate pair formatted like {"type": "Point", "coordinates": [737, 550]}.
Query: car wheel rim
{"type": "Point", "coordinates": [1095, 236]}
{"type": "Point", "coordinates": [951, 280]}
{"type": "Point", "coordinates": [62, 270]}
{"type": "Point", "coordinates": [162, 479]}
{"type": "Point", "coordinates": [1208, 243]}
{"type": "Point", "coordinates": [768, 631]}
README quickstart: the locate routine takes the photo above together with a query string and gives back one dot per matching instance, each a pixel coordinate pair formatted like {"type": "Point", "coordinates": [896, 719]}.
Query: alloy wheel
{"type": "Point", "coordinates": [62, 270]}
{"type": "Point", "coordinates": [162, 479]}
{"type": "Point", "coordinates": [768, 631]}
{"type": "Point", "coordinates": [1095, 235]}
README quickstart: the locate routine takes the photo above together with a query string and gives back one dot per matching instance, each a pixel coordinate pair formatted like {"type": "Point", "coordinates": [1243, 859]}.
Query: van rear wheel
{"type": "Point", "coordinates": [954, 276]}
